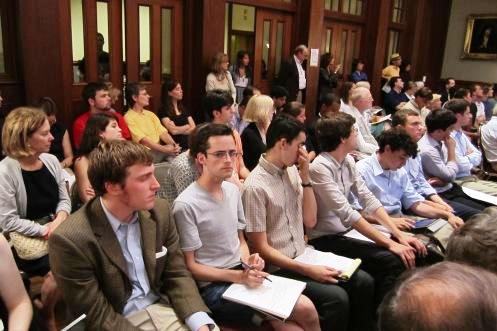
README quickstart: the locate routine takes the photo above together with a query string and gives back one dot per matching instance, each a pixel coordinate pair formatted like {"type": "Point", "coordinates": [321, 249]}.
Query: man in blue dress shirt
{"type": "Point", "coordinates": [386, 178]}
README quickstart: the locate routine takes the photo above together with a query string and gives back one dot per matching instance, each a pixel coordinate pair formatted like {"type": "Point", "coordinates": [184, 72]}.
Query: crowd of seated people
{"type": "Point", "coordinates": [251, 189]}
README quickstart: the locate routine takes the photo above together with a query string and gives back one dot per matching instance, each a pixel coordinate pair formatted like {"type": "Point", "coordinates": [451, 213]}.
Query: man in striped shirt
{"type": "Point", "coordinates": [278, 200]}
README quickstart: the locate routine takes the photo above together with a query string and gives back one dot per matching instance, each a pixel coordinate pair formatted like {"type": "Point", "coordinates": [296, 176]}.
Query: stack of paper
{"type": "Point", "coordinates": [344, 264]}
{"type": "Point", "coordinates": [276, 298]}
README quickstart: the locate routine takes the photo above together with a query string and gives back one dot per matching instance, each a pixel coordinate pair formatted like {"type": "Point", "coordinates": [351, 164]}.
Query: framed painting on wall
{"type": "Point", "coordinates": [481, 37]}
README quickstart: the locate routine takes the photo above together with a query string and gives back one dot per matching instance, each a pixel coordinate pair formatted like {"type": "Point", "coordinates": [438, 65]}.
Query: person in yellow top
{"type": "Point", "coordinates": [145, 126]}
{"type": "Point", "coordinates": [393, 70]}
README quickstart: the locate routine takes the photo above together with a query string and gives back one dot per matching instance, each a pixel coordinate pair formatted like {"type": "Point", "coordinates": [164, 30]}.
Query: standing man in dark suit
{"type": "Point", "coordinates": [118, 259]}
{"type": "Point", "coordinates": [292, 74]}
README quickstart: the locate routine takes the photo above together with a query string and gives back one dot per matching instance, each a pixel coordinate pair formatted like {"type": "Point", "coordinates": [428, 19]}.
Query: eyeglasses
{"type": "Point", "coordinates": [222, 154]}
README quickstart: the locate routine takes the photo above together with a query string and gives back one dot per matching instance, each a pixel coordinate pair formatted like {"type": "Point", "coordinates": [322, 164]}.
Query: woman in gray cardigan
{"type": "Point", "coordinates": [31, 184]}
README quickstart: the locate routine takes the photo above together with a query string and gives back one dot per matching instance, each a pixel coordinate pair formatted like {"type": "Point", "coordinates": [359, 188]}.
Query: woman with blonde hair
{"type": "Point", "coordinates": [258, 113]}
{"type": "Point", "coordinates": [33, 196]}
{"type": "Point", "coordinates": [220, 77]}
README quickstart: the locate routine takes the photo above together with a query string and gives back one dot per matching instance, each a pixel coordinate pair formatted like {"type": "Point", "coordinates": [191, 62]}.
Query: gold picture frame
{"type": "Point", "coordinates": [480, 42]}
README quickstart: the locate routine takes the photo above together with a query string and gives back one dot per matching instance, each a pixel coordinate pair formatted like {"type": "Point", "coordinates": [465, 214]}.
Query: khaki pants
{"type": "Point", "coordinates": [158, 317]}
{"type": "Point", "coordinates": [484, 186]}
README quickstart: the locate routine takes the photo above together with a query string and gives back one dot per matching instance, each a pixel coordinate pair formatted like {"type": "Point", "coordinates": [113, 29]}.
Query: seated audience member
{"type": "Point", "coordinates": [296, 110]}
{"type": "Point", "coordinates": [448, 91]}
{"type": "Point", "coordinates": [279, 94]}
{"type": "Point", "coordinates": [445, 296]}
{"type": "Point", "coordinates": [173, 114]}
{"type": "Point", "coordinates": [358, 74]}
{"type": "Point", "coordinates": [61, 144]}
{"type": "Point", "coordinates": [237, 122]}
{"type": "Point", "coordinates": [467, 155]}
{"type": "Point", "coordinates": [183, 170]}
{"type": "Point", "coordinates": [345, 93]}
{"type": "Point", "coordinates": [409, 90]}
{"type": "Point", "coordinates": [278, 200]}
{"type": "Point", "coordinates": [14, 301]}
{"type": "Point", "coordinates": [145, 126]}
{"type": "Point", "coordinates": [475, 243]}
{"type": "Point", "coordinates": [438, 158]}
{"type": "Point", "coordinates": [100, 127]}
{"type": "Point", "coordinates": [218, 105]}
{"type": "Point", "coordinates": [219, 77]}
{"type": "Point", "coordinates": [210, 220]}
{"type": "Point", "coordinates": [33, 200]}
{"type": "Point", "coordinates": [362, 100]}
{"type": "Point", "coordinates": [489, 140]}
{"type": "Point", "coordinates": [386, 178]}
{"type": "Point", "coordinates": [463, 93]}
{"type": "Point", "coordinates": [411, 122]}
{"type": "Point", "coordinates": [477, 106]}
{"type": "Point", "coordinates": [118, 258]}
{"type": "Point", "coordinates": [96, 97]}
{"type": "Point", "coordinates": [336, 182]}
{"type": "Point", "coordinates": [421, 99]}
{"type": "Point", "coordinates": [392, 70]}
{"type": "Point", "coordinates": [330, 105]}
{"type": "Point", "coordinates": [396, 96]}
{"type": "Point", "coordinates": [433, 104]}
{"type": "Point", "coordinates": [489, 101]}
{"type": "Point", "coordinates": [419, 84]}
{"type": "Point", "coordinates": [258, 114]}
{"type": "Point", "coordinates": [364, 84]}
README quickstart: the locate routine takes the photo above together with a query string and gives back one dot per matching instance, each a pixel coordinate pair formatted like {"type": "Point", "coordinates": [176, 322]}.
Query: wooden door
{"type": "Point", "coordinates": [343, 42]}
{"type": "Point", "coordinates": [154, 44]}
{"type": "Point", "coordinates": [272, 46]}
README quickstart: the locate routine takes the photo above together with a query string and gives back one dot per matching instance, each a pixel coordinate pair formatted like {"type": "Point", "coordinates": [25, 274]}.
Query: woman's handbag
{"type": "Point", "coordinates": [31, 248]}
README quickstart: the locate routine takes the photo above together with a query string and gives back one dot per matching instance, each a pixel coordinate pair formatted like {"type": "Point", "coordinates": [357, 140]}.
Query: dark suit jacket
{"type": "Point", "coordinates": [253, 146]}
{"type": "Point", "coordinates": [288, 77]}
{"type": "Point", "coordinates": [90, 269]}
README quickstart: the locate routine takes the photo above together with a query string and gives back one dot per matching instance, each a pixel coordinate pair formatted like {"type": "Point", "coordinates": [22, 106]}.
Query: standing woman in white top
{"type": "Point", "coordinates": [241, 74]}
{"type": "Point", "coordinates": [220, 77]}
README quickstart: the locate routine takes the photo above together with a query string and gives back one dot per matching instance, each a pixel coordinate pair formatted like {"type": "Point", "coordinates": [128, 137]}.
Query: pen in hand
{"type": "Point", "coordinates": [246, 266]}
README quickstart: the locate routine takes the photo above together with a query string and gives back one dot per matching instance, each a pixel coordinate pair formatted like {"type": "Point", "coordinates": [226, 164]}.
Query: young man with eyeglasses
{"type": "Point", "coordinates": [218, 109]}
{"type": "Point", "coordinates": [210, 220]}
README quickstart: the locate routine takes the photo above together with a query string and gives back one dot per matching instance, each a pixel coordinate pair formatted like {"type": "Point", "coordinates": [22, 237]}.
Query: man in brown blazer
{"type": "Point", "coordinates": [118, 259]}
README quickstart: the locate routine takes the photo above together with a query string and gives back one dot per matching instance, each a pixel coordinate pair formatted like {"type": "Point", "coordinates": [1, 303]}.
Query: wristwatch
{"type": "Point", "coordinates": [304, 185]}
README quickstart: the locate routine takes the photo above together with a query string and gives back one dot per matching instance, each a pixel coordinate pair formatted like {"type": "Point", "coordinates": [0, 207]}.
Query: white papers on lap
{"type": "Point", "coordinates": [344, 264]}
{"type": "Point", "coordinates": [276, 298]}
{"type": "Point", "coordinates": [480, 196]}
{"type": "Point", "coordinates": [354, 234]}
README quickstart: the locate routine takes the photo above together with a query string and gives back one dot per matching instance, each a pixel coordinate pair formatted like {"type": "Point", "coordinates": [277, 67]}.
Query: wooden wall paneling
{"type": "Point", "coordinates": [90, 40]}
{"type": "Point", "coordinates": [316, 20]}
{"type": "Point", "coordinates": [192, 59]}
{"type": "Point", "coordinates": [155, 57]}
{"type": "Point", "coordinates": [271, 4]}
{"type": "Point", "coordinates": [116, 47]}
{"type": "Point", "coordinates": [377, 34]}
{"type": "Point", "coordinates": [437, 37]}
{"type": "Point", "coordinates": [11, 83]}
{"type": "Point", "coordinates": [42, 54]}
{"type": "Point", "coordinates": [132, 42]}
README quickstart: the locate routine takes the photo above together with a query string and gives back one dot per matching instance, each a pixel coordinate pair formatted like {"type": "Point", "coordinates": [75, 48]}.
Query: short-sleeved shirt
{"type": "Point", "coordinates": [338, 187]}
{"type": "Point", "coordinates": [210, 227]}
{"type": "Point", "coordinates": [144, 124]}
{"type": "Point", "coordinates": [272, 199]}
{"type": "Point", "coordinates": [392, 187]}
